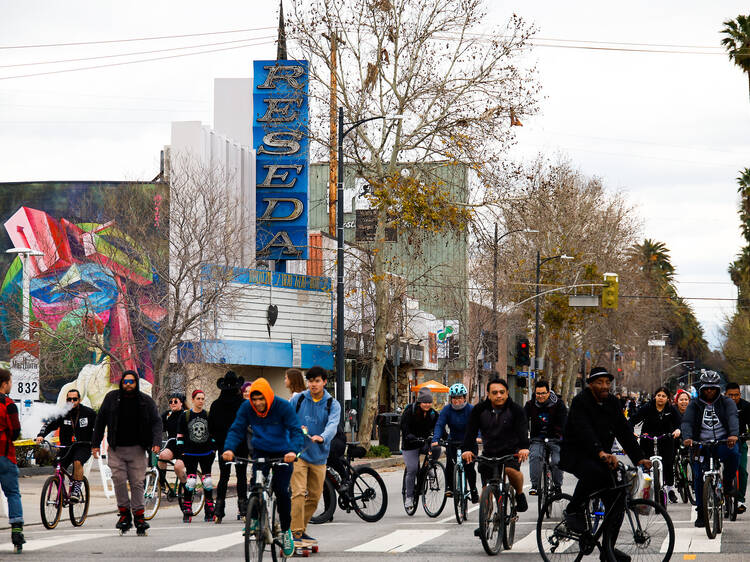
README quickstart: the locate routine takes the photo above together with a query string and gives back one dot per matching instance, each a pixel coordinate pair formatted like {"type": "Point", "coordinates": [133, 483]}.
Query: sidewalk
{"type": "Point", "coordinates": [100, 505]}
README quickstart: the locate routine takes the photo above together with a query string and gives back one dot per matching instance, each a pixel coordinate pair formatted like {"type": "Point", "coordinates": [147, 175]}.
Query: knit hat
{"type": "Point", "coordinates": [598, 372]}
{"type": "Point", "coordinates": [424, 396]}
{"type": "Point", "coordinates": [230, 381]}
{"type": "Point", "coordinates": [197, 391]}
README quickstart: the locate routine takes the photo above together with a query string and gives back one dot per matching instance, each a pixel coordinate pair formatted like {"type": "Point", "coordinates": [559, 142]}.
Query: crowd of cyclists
{"type": "Point", "coordinates": [248, 421]}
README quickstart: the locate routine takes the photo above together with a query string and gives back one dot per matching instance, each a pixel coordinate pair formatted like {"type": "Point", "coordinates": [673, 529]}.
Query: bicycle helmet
{"type": "Point", "coordinates": [710, 379]}
{"type": "Point", "coordinates": [457, 390]}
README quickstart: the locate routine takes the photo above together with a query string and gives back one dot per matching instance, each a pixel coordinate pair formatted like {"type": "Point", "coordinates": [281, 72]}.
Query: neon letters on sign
{"type": "Point", "coordinates": [280, 107]}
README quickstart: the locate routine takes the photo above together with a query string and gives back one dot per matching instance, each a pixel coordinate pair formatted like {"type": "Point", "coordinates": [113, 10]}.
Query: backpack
{"type": "Point", "coordinates": [338, 443]}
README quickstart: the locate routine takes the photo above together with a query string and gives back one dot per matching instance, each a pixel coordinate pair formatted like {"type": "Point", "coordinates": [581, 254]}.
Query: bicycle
{"type": "Point", "coordinates": [497, 507]}
{"type": "Point", "coordinates": [461, 492]}
{"type": "Point", "coordinates": [546, 486]}
{"type": "Point", "coordinates": [683, 475]}
{"type": "Point", "coordinates": [360, 489]}
{"type": "Point", "coordinates": [56, 495]}
{"type": "Point", "coordinates": [430, 485]}
{"type": "Point", "coordinates": [646, 530]}
{"type": "Point", "coordinates": [716, 502]}
{"type": "Point", "coordinates": [657, 470]}
{"type": "Point", "coordinates": [262, 526]}
{"type": "Point", "coordinates": [153, 490]}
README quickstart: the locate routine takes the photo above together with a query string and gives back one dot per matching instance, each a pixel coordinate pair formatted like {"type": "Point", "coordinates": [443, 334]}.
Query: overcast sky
{"type": "Point", "coordinates": [668, 129]}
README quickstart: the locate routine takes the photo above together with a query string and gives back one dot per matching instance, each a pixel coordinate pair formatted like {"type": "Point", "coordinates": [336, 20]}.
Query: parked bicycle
{"type": "Point", "coordinates": [57, 493]}
{"type": "Point", "coordinates": [153, 491]}
{"type": "Point", "coordinates": [716, 502]}
{"type": "Point", "coordinates": [430, 485]}
{"type": "Point", "coordinates": [497, 507]}
{"type": "Point", "coordinates": [360, 489]}
{"type": "Point", "coordinates": [657, 470]}
{"type": "Point", "coordinates": [683, 475]}
{"type": "Point", "coordinates": [546, 487]}
{"type": "Point", "coordinates": [646, 532]}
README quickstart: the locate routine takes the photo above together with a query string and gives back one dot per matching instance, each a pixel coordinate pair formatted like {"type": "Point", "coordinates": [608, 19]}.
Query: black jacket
{"type": "Point", "coordinates": [725, 409]}
{"type": "Point", "coordinates": [416, 425]}
{"type": "Point", "coordinates": [78, 423]}
{"type": "Point", "coordinates": [743, 411]}
{"type": "Point", "coordinates": [592, 428]}
{"type": "Point", "coordinates": [170, 422]}
{"type": "Point", "coordinates": [150, 428]}
{"type": "Point", "coordinates": [551, 414]}
{"type": "Point", "coordinates": [222, 414]}
{"type": "Point", "coordinates": [656, 423]}
{"type": "Point", "coordinates": [504, 431]}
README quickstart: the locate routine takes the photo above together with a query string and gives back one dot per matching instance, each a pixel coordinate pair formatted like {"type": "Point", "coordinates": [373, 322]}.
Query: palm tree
{"type": "Point", "coordinates": [737, 42]}
{"type": "Point", "coordinates": [653, 258]}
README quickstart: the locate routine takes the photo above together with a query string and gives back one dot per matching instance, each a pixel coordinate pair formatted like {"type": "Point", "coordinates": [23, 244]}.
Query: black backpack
{"type": "Point", "coordinates": [338, 443]}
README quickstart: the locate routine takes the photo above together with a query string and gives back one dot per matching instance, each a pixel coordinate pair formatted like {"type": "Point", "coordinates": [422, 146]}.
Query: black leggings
{"type": "Point", "coordinates": [469, 470]}
{"type": "Point", "coordinates": [225, 470]}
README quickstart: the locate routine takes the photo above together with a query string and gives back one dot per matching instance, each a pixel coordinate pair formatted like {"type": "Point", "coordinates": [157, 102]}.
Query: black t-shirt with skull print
{"type": "Point", "coordinates": [196, 439]}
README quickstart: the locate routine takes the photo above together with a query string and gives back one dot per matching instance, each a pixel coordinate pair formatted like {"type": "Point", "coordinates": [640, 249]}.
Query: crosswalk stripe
{"type": "Point", "coordinates": [210, 544]}
{"type": "Point", "coordinates": [399, 541]}
{"type": "Point", "coordinates": [39, 544]}
{"type": "Point", "coordinates": [526, 544]}
{"type": "Point", "coordinates": [693, 539]}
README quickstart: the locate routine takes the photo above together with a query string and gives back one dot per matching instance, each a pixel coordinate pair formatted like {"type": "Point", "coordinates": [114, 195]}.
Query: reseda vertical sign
{"type": "Point", "coordinates": [280, 127]}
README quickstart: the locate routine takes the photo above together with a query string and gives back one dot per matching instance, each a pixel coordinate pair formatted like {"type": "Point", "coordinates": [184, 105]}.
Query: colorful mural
{"type": "Point", "coordinates": [91, 278]}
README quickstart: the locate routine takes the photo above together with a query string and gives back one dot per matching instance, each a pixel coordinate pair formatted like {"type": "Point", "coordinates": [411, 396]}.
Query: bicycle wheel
{"type": "Point", "coordinates": [79, 510]}
{"type": "Point", "coordinates": [509, 515]}
{"type": "Point", "coordinates": [543, 491]}
{"type": "Point", "coordinates": [646, 533]}
{"type": "Point", "coordinates": [50, 504]}
{"type": "Point", "coordinates": [368, 495]}
{"type": "Point", "coordinates": [326, 504]}
{"type": "Point", "coordinates": [730, 500]}
{"type": "Point", "coordinates": [491, 521]}
{"type": "Point", "coordinates": [689, 489]}
{"type": "Point", "coordinates": [553, 539]}
{"type": "Point", "coordinates": [254, 536]}
{"type": "Point", "coordinates": [413, 509]}
{"type": "Point", "coordinates": [277, 552]}
{"type": "Point", "coordinates": [711, 508]}
{"type": "Point", "coordinates": [433, 489]}
{"type": "Point", "coordinates": [151, 494]}
{"type": "Point", "coordinates": [459, 494]}
{"type": "Point", "coordinates": [660, 495]}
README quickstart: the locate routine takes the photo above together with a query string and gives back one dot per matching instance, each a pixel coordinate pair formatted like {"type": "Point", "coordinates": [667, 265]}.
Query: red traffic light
{"type": "Point", "coordinates": [524, 345]}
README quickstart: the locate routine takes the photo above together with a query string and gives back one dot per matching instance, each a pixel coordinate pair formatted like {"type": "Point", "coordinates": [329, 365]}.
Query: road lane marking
{"type": "Point", "coordinates": [527, 544]}
{"type": "Point", "coordinates": [693, 539]}
{"type": "Point", "coordinates": [399, 541]}
{"type": "Point", "coordinates": [39, 544]}
{"type": "Point", "coordinates": [210, 544]}
{"type": "Point", "coordinates": [453, 517]}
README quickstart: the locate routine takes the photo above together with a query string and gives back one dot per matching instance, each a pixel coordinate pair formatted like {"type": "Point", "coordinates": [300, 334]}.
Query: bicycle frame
{"type": "Point", "coordinates": [658, 468]}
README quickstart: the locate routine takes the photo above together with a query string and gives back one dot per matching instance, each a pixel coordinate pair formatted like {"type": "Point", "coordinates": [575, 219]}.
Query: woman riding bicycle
{"type": "Point", "coordinates": [659, 417]}
{"type": "Point", "coordinates": [417, 424]}
{"type": "Point", "coordinates": [170, 420]}
{"type": "Point", "coordinates": [456, 416]}
{"type": "Point", "coordinates": [681, 401]}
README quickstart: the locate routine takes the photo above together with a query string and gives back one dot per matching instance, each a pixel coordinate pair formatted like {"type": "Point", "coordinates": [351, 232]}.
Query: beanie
{"type": "Point", "coordinates": [424, 396]}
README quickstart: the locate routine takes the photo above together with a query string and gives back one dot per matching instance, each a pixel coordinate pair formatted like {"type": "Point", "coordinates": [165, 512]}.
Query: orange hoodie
{"type": "Point", "coordinates": [261, 385]}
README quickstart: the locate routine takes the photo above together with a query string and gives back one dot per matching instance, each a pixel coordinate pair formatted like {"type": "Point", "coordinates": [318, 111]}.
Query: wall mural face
{"type": "Point", "coordinates": [93, 283]}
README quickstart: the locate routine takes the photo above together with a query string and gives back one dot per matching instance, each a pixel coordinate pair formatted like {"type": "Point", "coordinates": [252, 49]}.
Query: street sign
{"type": "Point", "coordinates": [657, 343]}
{"type": "Point", "coordinates": [525, 374]}
{"type": "Point", "coordinates": [583, 300]}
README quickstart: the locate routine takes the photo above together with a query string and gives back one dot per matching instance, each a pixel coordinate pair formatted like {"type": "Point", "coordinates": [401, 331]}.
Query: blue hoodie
{"type": "Point", "coordinates": [277, 430]}
{"type": "Point", "coordinates": [319, 421]}
{"type": "Point", "coordinates": [457, 420]}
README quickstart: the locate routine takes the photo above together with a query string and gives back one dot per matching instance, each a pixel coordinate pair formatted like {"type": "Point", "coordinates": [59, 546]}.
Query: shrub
{"type": "Point", "coordinates": [379, 451]}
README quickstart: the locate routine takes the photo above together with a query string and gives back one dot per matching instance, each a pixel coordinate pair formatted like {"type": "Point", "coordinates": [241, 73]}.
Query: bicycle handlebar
{"type": "Point", "coordinates": [47, 443]}
{"type": "Point", "coordinates": [272, 461]}
{"type": "Point", "coordinates": [655, 438]}
{"type": "Point", "coordinates": [496, 460]}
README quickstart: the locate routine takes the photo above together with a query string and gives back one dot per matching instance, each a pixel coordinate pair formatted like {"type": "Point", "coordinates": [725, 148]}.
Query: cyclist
{"type": "Point", "coordinates": [743, 413]}
{"type": "Point", "coordinates": [417, 423]}
{"type": "Point", "coordinates": [546, 414]}
{"type": "Point", "coordinates": [319, 414]}
{"type": "Point", "coordinates": [77, 424]}
{"type": "Point", "coordinates": [197, 448]}
{"type": "Point", "coordinates": [595, 420]}
{"type": "Point", "coordinates": [712, 417]}
{"type": "Point", "coordinates": [10, 430]}
{"type": "Point", "coordinates": [456, 416]}
{"type": "Point", "coordinates": [505, 431]}
{"type": "Point", "coordinates": [681, 401]}
{"type": "Point", "coordinates": [170, 421]}
{"type": "Point", "coordinates": [659, 417]}
{"type": "Point", "coordinates": [276, 433]}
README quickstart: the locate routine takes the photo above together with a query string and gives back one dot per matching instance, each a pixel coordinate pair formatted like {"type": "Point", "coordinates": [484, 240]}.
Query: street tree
{"type": "Point", "coordinates": [737, 42]}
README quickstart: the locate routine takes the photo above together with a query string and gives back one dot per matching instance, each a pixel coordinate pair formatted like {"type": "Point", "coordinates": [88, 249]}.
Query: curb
{"type": "Point", "coordinates": [28, 471]}
{"type": "Point", "coordinates": [377, 464]}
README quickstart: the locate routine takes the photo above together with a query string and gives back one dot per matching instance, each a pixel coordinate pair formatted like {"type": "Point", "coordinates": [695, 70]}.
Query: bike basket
{"type": "Point", "coordinates": [640, 487]}
{"type": "Point", "coordinates": [357, 451]}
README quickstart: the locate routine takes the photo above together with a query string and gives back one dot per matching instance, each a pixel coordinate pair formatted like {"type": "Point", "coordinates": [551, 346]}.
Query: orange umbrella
{"type": "Point", "coordinates": [433, 385]}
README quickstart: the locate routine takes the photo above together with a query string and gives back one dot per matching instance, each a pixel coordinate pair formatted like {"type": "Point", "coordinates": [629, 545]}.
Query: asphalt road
{"type": "Point", "coordinates": [396, 537]}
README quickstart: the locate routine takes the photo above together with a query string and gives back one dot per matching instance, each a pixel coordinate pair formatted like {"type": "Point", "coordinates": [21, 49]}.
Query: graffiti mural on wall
{"type": "Point", "coordinates": [87, 285]}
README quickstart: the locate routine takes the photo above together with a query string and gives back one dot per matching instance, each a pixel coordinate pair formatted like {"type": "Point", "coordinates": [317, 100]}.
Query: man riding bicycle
{"type": "Point", "coordinates": [76, 425]}
{"type": "Point", "coordinates": [595, 420]}
{"type": "Point", "coordinates": [546, 415]}
{"type": "Point", "coordinates": [712, 417]}
{"type": "Point", "coordinates": [276, 433]}
{"type": "Point", "coordinates": [505, 431]}
{"type": "Point", "coordinates": [743, 411]}
{"type": "Point", "coordinates": [456, 416]}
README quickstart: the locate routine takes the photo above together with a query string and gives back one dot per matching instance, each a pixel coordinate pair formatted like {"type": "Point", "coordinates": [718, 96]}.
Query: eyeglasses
{"type": "Point", "coordinates": [174, 401]}
{"type": "Point", "coordinates": [71, 399]}
{"type": "Point", "coordinates": [128, 381]}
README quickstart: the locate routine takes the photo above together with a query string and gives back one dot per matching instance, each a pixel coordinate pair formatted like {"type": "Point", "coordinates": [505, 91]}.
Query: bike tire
{"type": "Point", "coordinates": [509, 515]}
{"type": "Point", "coordinates": [689, 488]}
{"type": "Point", "coordinates": [491, 522]}
{"type": "Point", "coordinates": [254, 540]}
{"type": "Point", "coordinates": [365, 491]}
{"type": "Point", "coordinates": [326, 504]}
{"type": "Point", "coordinates": [50, 504]}
{"type": "Point", "coordinates": [433, 489]}
{"type": "Point", "coordinates": [653, 527]}
{"type": "Point", "coordinates": [277, 552]}
{"type": "Point", "coordinates": [459, 495]}
{"type": "Point", "coordinates": [79, 511]}
{"type": "Point", "coordinates": [413, 509]}
{"type": "Point", "coordinates": [552, 535]}
{"type": "Point", "coordinates": [711, 508]}
{"type": "Point", "coordinates": [731, 501]}
{"type": "Point", "coordinates": [152, 491]}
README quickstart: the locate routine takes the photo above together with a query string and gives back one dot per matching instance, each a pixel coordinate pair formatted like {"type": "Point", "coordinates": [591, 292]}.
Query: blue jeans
{"type": "Point", "coordinates": [9, 483]}
{"type": "Point", "coordinates": [536, 458]}
{"type": "Point", "coordinates": [731, 460]}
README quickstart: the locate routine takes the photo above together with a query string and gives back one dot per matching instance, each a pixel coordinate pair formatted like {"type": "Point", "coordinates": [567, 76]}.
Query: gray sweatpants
{"type": "Point", "coordinates": [128, 464]}
{"type": "Point", "coordinates": [411, 460]}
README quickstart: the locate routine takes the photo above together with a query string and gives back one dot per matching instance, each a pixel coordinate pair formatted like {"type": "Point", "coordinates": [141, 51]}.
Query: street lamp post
{"type": "Point", "coordinates": [340, 249]}
{"type": "Point", "coordinates": [26, 284]}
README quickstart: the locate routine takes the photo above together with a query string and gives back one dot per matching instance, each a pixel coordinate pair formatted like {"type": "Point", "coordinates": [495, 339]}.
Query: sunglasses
{"type": "Point", "coordinates": [174, 401]}
{"type": "Point", "coordinates": [128, 381]}
{"type": "Point", "coordinates": [71, 399]}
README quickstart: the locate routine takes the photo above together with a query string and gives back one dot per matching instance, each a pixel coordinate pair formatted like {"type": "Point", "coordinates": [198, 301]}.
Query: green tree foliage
{"type": "Point", "coordinates": [737, 42]}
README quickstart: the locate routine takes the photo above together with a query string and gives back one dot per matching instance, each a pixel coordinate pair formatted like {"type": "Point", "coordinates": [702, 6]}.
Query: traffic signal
{"type": "Point", "coordinates": [610, 291]}
{"type": "Point", "coordinates": [454, 347]}
{"type": "Point", "coordinates": [522, 352]}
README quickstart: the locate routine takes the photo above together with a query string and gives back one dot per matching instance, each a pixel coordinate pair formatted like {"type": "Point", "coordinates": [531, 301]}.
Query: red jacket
{"type": "Point", "coordinates": [10, 427]}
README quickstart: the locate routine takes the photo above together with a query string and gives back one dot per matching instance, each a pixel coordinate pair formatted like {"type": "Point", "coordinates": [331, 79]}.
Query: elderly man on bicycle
{"type": "Point", "coordinates": [595, 420]}
{"type": "Point", "coordinates": [712, 417]}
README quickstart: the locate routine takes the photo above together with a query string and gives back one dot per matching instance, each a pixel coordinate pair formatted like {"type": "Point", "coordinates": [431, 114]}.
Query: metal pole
{"type": "Point", "coordinates": [340, 267]}
{"type": "Point", "coordinates": [661, 366]}
{"type": "Point", "coordinates": [496, 359]}
{"type": "Point", "coordinates": [26, 290]}
{"type": "Point", "coordinates": [536, 312]}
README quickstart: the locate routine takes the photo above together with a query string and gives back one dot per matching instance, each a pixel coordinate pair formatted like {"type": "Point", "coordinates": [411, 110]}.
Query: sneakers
{"type": "Point", "coordinates": [575, 522]}
{"type": "Point", "coordinates": [741, 508]}
{"type": "Point", "coordinates": [308, 539]}
{"type": "Point", "coordinates": [252, 525]}
{"type": "Point", "coordinates": [477, 532]}
{"type": "Point", "coordinates": [672, 495]}
{"type": "Point", "coordinates": [409, 503]}
{"type": "Point", "coordinates": [287, 542]}
{"type": "Point", "coordinates": [521, 503]}
{"type": "Point", "coordinates": [533, 492]}
{"type": "Point", "coordinates": [474, 496]}
{"type": "Point", "coordinates": [75, 492]}
{"type": "Point", "coordinates": [699, 522]}
{"type": "Point", "coordinates": [298, 541]}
